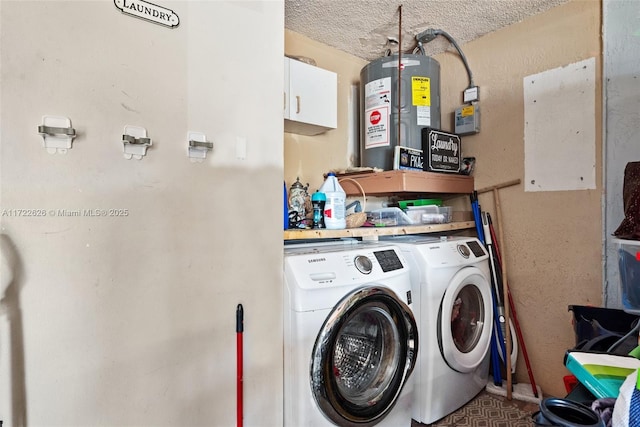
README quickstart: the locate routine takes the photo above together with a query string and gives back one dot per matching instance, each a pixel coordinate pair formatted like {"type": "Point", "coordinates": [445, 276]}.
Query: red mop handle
{"type": "Point", "coordinates": [239, 330]}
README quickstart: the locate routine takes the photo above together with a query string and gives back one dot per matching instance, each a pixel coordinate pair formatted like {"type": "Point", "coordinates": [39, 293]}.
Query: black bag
{"type": "Point", "coordinates": [630, 226]}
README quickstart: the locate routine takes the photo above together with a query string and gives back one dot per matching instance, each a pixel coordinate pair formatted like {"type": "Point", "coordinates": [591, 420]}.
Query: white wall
{"type": "Point", "coordinates": [621, 44]}
{"type": "Point", "coordinates": [131, 320]}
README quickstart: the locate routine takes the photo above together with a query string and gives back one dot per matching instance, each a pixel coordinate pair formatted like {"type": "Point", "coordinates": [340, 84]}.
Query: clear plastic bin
{"type": "Point", "coordinates": [404, 204]}
{"type": "Point", "coordinates": [629, 264]}
{"type": "Point", "coordinates": [388, 217]}
{"type": "Point", "coordinates": [430, 214]}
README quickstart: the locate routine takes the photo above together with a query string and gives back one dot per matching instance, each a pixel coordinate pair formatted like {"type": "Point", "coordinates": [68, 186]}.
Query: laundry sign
{"type": "Point", "coordinates": [148, 11]}
{"type": "Point", "coordinates": [442, 151]}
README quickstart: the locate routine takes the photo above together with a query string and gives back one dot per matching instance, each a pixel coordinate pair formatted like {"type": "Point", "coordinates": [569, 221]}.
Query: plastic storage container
{"type": "Point", "coordinates": [388, 217]}
{"type": "Point", "coordinates": [429, 214]}
{"type": "Point", "coordinates": [404, 204]}
{"type": "Point", "coordinates": [629, 265]}
{"type": "Point", "coordinates": [334, 207]}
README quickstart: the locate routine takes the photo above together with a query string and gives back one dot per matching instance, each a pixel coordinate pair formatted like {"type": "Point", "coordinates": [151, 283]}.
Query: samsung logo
{"type": "Point", "coordinates": [312, 260]}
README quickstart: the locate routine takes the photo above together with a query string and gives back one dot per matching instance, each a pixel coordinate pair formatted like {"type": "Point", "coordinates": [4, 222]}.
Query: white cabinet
{"type": "Point", "coordinates": [310, 98]}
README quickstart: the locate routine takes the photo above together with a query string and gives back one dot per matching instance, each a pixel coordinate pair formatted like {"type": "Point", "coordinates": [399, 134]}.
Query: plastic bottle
{"type": "Point", "coordinates": [334, 207]}
{"type": "Point", "coordinates": [318, 200]}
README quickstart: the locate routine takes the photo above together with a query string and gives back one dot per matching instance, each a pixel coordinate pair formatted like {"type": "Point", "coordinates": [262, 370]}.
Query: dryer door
{"type": "Point", "coordinates": [363, 355]}
{"type": "Point", "coordinates": [465, 320]}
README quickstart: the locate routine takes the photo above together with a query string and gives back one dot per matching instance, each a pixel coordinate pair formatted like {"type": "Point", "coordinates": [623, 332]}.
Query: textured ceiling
{"type": "Point", "coordinates": [363, 27]}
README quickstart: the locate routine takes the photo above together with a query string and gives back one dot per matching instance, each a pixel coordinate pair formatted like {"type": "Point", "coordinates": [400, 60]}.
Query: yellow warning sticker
{"type": "Point", "coordinates": [467, 111]}
{"type": "Point", "coordinates": [421, 91]}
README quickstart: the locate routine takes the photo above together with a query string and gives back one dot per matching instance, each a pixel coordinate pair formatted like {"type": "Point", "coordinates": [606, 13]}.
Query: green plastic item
{"type": "Point", "coordinates": [635, 352]}
{"type": "Point", "coordinates": [419, 202]}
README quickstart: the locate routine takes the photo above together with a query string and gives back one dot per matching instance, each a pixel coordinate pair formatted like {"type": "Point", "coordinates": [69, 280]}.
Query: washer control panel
{"type": "Point", "coordinates": [388, 260]}
{"type": "Point", "coordinates": [454, 251]}
{"type": "Point", "coordinates": [336, 266]}
{"type": "Point", "coordinates": [475, 246]}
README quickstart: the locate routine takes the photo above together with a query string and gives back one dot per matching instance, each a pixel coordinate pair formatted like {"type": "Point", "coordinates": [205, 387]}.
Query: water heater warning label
{"type": "Point", "coordinates": [421, 99]}
{"type": "Point", "coordinates": [421, 91]}
{"type": "Point", "coordinates": [377, 127]}
{"type": "Point", "coordinates": [377, 100]}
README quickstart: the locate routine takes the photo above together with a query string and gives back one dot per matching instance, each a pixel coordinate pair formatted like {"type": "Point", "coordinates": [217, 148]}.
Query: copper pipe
{"type": "Point", "coordinates": [399, 71]}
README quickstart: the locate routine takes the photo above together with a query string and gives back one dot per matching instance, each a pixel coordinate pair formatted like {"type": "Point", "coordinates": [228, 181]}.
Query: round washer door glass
{"type": "Point", "coordinates": [465, 320]}
{"type": "Point", "coordinates": [362, 357]}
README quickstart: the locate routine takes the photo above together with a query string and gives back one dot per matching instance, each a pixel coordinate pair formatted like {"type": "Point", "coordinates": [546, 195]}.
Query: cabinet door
{"type": "Point", "coordinates": [313, 94]}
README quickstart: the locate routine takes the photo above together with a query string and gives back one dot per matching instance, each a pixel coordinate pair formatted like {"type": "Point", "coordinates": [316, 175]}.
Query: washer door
{"type": "Point", "coordinates": [362, 357]}
{"type": "Point", "coordinates": [465, 320]}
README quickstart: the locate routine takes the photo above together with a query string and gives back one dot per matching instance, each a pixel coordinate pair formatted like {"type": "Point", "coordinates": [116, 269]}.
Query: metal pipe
{"type": "Point", "coordinates": [398, 142]}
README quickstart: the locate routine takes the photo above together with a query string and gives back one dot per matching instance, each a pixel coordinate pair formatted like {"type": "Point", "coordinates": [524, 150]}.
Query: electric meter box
{"type": "Point", "coordinates": [467, 120]}
{"type": "Point", "coordinates": [442, 151]}
{"type": "Point", "coordinates": [629, 264]}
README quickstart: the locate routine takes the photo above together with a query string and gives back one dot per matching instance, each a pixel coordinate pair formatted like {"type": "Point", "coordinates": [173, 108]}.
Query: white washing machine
{"type": "Point", "coordinates": [453, 307]}
{"type": "Point", "coordinates": [350, 337]}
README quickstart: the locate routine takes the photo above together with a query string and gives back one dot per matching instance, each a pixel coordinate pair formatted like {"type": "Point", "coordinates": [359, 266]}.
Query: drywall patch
{"type": "Point", "coordinates": [559, 131]}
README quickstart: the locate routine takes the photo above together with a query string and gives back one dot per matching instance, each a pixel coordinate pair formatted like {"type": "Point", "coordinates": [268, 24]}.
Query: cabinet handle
{"type": "Point", "coordinates": [297, 104]}
{"type": "Point", "coordinates": [284, 100]}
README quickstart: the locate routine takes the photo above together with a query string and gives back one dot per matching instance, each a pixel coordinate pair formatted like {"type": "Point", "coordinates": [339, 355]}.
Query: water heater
{"type": "Point", "coordinates": [395, 110]}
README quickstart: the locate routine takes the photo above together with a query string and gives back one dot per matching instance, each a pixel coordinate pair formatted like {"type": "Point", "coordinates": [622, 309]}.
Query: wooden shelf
{"type": "Point", "coordinates": [369, 232]}
{"type": "Point", "coordinates": [391, 183]}
{"type": "Point", "coordinates": [403, 181]}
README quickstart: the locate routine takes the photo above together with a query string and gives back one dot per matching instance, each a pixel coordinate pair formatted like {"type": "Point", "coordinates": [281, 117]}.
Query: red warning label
{"type": "Point", "coordinates": [377, 130]}
{"type": "Point", "coordinates": [375, 117]}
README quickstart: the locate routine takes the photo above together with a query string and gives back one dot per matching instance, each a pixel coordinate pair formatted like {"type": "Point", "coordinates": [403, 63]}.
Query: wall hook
{"type": "Point", "coordinates": [198, 146]}
{"type": "Point", "coordinates": [135, 142]}
{"type": "Point", "coordinates": [57, 134]}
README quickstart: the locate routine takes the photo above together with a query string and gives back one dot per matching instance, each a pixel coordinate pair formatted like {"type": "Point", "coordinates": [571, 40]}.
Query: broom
{"type": "Point", "coordinates": [518, 391]}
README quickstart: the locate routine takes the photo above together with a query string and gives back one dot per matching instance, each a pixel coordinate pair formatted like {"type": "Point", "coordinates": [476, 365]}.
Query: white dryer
{"type": "Point", "coordinates": [350, 337]}
{"type": "Point", "coordinates": [453, 307]}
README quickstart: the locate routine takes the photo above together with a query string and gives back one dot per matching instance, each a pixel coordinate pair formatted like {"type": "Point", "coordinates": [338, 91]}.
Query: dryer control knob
{"type": "Point", "coordinates": [363, 264]}
{"type": "Point", "coordinates": [464, 251]}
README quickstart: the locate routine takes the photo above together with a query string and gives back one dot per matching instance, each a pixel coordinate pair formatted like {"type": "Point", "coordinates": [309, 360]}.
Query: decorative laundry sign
{"type": "Point", "coordinates": [148, 11]}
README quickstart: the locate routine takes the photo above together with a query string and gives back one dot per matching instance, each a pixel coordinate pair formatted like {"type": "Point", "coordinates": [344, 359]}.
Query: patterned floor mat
{"type": "Point", "coordinates": [488, 410]}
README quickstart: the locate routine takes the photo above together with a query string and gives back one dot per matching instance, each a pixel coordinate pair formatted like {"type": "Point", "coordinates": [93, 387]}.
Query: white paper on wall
{"type": "Point", "coordinates": [559, 130]}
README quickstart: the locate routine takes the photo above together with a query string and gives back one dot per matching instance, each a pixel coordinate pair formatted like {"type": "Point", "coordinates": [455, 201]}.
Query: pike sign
{"type": "Point", "coordinates": [149, 12]}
